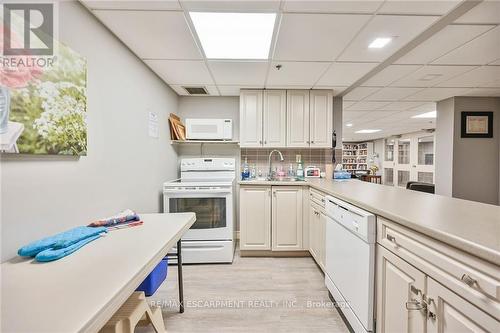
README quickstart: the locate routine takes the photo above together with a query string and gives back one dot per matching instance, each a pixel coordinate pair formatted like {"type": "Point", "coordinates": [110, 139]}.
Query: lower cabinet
{"type": "Point", "coordinates": [408, 300]}
{"type": "Point", "coordinates": [255, 218]}
{"type": "Point", "coordinates": [287, 218]}
{"type": "Point", "coordinates": [271, 218]}
{"type": "Point", "coordinates": [317, 226]}
{"type": "Point", "coordinates": [450, 313]}
{"type": "Point", "coordinates": [399, 288]}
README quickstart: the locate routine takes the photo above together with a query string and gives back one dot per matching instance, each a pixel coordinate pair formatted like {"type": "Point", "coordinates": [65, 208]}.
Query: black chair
{"type": "Point", "coordinates": [421, 187]}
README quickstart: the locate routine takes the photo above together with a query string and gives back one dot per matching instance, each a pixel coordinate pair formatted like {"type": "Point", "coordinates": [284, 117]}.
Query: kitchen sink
{"type": "Point", "coordinates": [285, 179]}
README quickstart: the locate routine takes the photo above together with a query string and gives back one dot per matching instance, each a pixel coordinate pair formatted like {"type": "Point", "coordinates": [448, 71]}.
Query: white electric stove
{"type": "Point", "coordinates": [205, 188]}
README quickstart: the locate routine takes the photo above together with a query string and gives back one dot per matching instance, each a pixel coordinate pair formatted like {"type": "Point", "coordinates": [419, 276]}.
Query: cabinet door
{"type": "Point", "coordinates": [255, 218]}
{"type": "Point", "coordinates": [449, 313]}
{"type": "Point", "coordinates": [297, 105]}
{"type": "Point", "coordinates": [287, 218]}
{"type": "Point", "coordinates": [274, 118]}
{"type": "Point", "coordinates": [398, 283]}
{"type": "Point", "coordinates": [313, 232]}
{"type": "Point", "coordinates": [321, 118]}
{"type": "Point", "coordinates": [321, 240]}
{"type": "Point", "coordinates": [251, 118]}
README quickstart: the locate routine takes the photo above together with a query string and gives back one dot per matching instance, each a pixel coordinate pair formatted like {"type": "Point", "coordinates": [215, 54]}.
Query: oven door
{"type": "Point", "coordinates": [213, 208]}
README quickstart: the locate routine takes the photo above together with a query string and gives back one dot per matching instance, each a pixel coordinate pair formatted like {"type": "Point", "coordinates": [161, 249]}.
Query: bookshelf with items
{"type": "Point", "coordinates": [356, 156]}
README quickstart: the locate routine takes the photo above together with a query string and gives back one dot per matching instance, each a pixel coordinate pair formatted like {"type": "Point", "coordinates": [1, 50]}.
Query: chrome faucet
{"type": "Point", "coordinates": [270, 174]}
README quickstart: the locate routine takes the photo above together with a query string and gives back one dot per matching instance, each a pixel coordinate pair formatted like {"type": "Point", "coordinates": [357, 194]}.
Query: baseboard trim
{"type": "Point", "coordinates": [266, 253]}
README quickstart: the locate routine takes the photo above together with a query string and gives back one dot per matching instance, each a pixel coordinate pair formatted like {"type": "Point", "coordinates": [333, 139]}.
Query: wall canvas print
{"type": "Point", "coordinates": [43, 104]}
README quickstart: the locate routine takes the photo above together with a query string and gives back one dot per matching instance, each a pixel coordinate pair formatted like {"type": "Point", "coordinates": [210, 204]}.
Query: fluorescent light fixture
{"type": "Point", "coordinates": [380, 42]}
{"type": "Point", "coordinates": [368, 131]}
{"type": "Point", "coordinates": [234, 35]}
{"type": "Point", "coordinates": [348, 125]}
{"type": "Point", "coordinates": [432, 114]}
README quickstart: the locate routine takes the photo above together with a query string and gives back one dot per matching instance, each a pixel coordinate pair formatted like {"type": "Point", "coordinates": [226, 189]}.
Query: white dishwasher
{"type": "Point", "coordinates": [350, 262]}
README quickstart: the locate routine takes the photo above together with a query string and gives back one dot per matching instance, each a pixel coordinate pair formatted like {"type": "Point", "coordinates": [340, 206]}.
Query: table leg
{"type": "Point", "coordinates": [179, 270]}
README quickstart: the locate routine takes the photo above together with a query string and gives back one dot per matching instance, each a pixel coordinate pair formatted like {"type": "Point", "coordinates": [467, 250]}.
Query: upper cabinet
{"type": "Point", "coordinates": [286, 118]}
{"type": "Point", "coordinates": [321, 118]}
{"type": "Point", "coordinates": [251, 118]}
{"type": "Point", "coordinates": [297, 118]}
{"type": "Point", "coordinates": [274, 120]}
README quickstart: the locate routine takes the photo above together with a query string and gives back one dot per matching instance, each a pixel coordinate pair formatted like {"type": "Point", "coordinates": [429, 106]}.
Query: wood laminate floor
{"type": "Point", "coordinates": [251, 295]}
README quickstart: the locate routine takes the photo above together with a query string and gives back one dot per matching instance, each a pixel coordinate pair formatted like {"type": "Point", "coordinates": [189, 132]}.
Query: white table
{"type": "Point", "coordinates": [80, 293]}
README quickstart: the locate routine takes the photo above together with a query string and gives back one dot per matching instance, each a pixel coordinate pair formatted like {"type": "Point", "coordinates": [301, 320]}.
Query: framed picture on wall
{"type": "Point", "coordinates": [477, 125]}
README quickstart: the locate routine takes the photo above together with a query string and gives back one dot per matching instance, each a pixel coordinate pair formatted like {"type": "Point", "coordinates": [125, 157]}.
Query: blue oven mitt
{"type": "Point", "coordinates": [60, 241]}
{"type": "Point", "coordinates": [54, 254]}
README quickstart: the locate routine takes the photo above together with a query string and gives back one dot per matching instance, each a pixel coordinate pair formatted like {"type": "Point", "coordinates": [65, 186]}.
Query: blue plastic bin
{"type": "Point", "coordinates": [154, 279]}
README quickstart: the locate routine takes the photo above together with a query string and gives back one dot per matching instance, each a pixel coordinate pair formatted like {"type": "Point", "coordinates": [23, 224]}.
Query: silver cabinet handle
{"type": "Point", "coordinates": [391, 238]}
{"type": "Point", "coordinates": [312, 141]}
{"type": "Point", "coordinates": [265, 142]}
{"type": "Point", "coordinates": [322, 200]}
{"type": "Point", "coordinates": [415, 305]}
{"type": "Point", "coordinates": [260, 141]}
{"type": "Point", "coordinates": [468, 280]}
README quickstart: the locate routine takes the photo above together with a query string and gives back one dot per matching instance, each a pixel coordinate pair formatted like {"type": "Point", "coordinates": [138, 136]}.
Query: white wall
{"type": "Point", "coordinates": [443, 177]}
{"type": "Point", "coordinates": [124, 168]}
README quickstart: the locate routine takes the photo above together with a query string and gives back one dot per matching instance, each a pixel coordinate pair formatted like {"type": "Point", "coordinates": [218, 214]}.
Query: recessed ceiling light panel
{"type": "Point", "coordinates": [432, 114]}
{"type": "Point", "coordinates": [380, 42]}
{"type": "Point", "coordinates": [348, 125]}
{"type": "Point", "coordinates": [368, 131]}
{"type": "Point", "coordinates": [234, 35]}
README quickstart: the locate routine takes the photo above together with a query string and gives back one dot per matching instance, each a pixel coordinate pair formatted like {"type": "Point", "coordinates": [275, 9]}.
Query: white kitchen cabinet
{"type": "Point", "coordinates": [298, 127]}
{"type": "Point", "coordinates": [287, 220]}
{"type": "Point", "coordinates": [251, 115]}
{"type": "Point", "coordinates": [274, 119]}
{"type": "Point", "coordinates": [255, 218]}
{"type": "Point", "coordinates": [449, 313]}
{"type": "Point", "coordinates": [314, 223]}
{"type": "Point", "coordinates": [321, 118]}
{"type": "Point", "coordinates": [399, 285]}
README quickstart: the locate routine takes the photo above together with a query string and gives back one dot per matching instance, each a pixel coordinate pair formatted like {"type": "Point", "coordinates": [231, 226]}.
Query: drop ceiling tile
{"type": "Point", "coordinates": [181, 72]}
{"type": "Point", "coordinates": [332, 6]}
{"type": "Point", "coordinates": [392, 94]}
{"type": "Point", "coordinates": [239, 72]}
{"type": "Point", "coordinates": [474, 78]}
{"type": "Point", "coordinates": [480, 51]}
{"type": "Point", "coordinates": [315, 37]}
{"type": "Point", "coordinates": [179, 89]}
{"type": "Point", "coordinates": [402, 28]}
{"type": "Point", "coordinates": [390, 74]}
{"type": "Point", "coordinates": [367, 106]}
{"type": "Point", "coordinates": [418, 7]}
{"type": "Point", "coordinates": [345, 74]}
{"type": "Point", "coordinates": [349, 116]}
{"type": "Point", "coordinates": [401, 106]}
{"type": "Point", "coordinates": [346, 104]}
{"type": "Point", "coordinates": [134, 5]}
{"type": "Point", "coordinates": [485, 12]}
{"type": "Point", "coordinates": [486, 92]}
{"type": "Point", "coordinates": [495, 63]}
{"type": "Point", "coordinates": [152, 34]}
{"type": "Point", "coordinates": [425, 107]}
{"type": "Point", "coordinates": [235, 6]}
{"type": "Point", "coordinates": [296, 73]}
{"type": "Point", "coordinates": [336, 90]}
{"type": "Point", "coordinates": [429, 76]}
{"type": "Point", "coordinates": [435, 94]}
{"type": "Point", "coordinates": [373, 116]}
{"type": "Point", "coordinates": [234, 90]}
{"type": "Point", "coordinates": [359, 93]}
{"type": "Point", "coordinates": [451, 37]}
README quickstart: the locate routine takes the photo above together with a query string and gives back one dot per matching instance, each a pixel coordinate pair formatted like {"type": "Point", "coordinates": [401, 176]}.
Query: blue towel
{"type": "Point", "coordinates": [54, 254]}
{"type": "Point", "coordinates": [60, 241]}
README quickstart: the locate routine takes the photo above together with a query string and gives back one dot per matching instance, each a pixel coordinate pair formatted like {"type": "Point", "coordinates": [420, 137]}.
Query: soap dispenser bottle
{"type": "Point", "coordinates": [300, 168]}
{"type": "Point", "coordinates": [245, 173]}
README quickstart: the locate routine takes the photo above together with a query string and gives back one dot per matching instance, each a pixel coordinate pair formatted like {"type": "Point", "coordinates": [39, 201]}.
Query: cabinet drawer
{"type": "Point", "coordinates": [476, 280]}
{"type": "Point", "coordinates": [317, 197]}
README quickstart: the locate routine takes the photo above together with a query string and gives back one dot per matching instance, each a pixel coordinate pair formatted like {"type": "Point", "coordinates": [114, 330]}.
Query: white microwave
{"type": "Point", "coordinates": [209, 129]}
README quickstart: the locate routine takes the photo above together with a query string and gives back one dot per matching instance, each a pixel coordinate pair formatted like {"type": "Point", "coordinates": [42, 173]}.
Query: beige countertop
{"type": "Point", "coordinates": [80, 292]}
{"type": "Point", "coordinates": [470, 226]}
